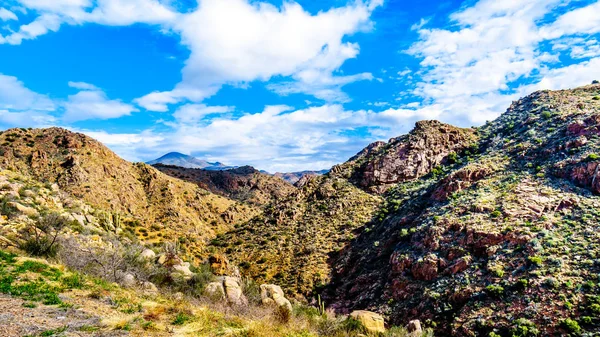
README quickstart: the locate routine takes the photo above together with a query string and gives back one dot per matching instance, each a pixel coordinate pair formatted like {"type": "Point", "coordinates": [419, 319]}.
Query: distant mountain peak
{"type": "Point", "coordinates": [187, 161]}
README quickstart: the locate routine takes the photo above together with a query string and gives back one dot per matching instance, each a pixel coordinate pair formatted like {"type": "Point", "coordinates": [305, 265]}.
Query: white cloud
{"type": "Point", "coordinates": [231, 41]}
{"type": "Point", "coordinates": [6, 15]}
{"type": "Point", "coordinates": [92, 103]}
{"type": "Point", "coordinates": [584, 20]}
{"type": "Point", "coordinates": [473, 70]}
{"type": "Point", "coordinates": [20, 106]}
{"type": "Point", "coordinates": [28, 118]}
{"type": "Point", "coordinates": [193, 113]}
{"type": "Point", "coordinates": [237, 41]}
{"type": "Point", "coordinates": [276, 139]}
{"type": "Point", "coordinates": [15, 96]}
{"type": "Point", "coordinates": [83, 86]}
{"type": "Point", "coordinates": [54, 13]}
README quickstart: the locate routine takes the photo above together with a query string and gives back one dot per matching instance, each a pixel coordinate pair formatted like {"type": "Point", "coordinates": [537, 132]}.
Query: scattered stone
{"type": "Point", "coordinates": [149, 288]}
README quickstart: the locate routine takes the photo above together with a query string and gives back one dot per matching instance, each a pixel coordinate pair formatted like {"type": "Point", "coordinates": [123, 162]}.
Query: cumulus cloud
{"type": "Point", "coordinates": [92, 103]}
{"type": "Point", "coordinates": [475, 68]}
{"type": "Point", "coordinates": [231, 41]}
{"type": "Point", "coordinates": [193, 113]}
{"type": "Point", "coordinates": [237, 41]}
{"type": "Point", "coordinates": [279, 138]}
{"type": "Point", "coordinates": [52, 14]}
{"type": "Point", "coordinates": [15, 96]}
{"type": "Point", "coordinates": [20, 106]}
{"type": "Point", "coordinates": [6, 15]}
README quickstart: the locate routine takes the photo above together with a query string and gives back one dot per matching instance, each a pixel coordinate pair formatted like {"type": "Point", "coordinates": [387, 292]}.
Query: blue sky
{"type": "Point", "coordinates": [281, 85]}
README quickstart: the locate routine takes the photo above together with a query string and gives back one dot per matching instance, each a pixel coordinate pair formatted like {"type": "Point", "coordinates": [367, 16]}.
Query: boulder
{"type": "Point", "coordinates": [414, 328]}
{"type": "Point", "coordinates": [233, 291]}
{"type": "Point", "coordinates": [271, 294]}
{"type": "Point", "coordinates": [127, 280]}
{"type": "Point", "coordinates": [426, 269]}
{"type": "Point", "coordinates": [183, 269]}
{"type": "Point", "coordinates": [148, 254]}
{"type": "Point", "coordinates": [372, 321]}
{"type": "Point", "coordinates": [149, 288]}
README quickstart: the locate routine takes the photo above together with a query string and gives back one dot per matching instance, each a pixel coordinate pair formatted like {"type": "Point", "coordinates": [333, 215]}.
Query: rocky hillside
{"type": "Point", "coordinates": [488, 231]}
{"type": "Point", "coordinates": [155, 206]}
{"type": "Point", "coordinates": [245, 183]}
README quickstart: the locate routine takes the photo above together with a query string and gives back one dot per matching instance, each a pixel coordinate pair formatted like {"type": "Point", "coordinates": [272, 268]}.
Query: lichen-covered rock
{"type": "Point", "coordinates": [414, 328]}
{"type": "Point", "coordinates": [372, 321]}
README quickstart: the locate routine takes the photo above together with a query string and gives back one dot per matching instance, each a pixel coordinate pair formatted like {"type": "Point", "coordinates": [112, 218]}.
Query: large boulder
{"type": "Point", "coordinates": [227, 288]}
{"type": "Point", "coordinates": [372, 321]}
{"type": "Point", "coordinates": [233, 291]}
{"type": "Point", "coordinates": [271, 294]}
{"type": "Point", "coordinates": [183, 269]}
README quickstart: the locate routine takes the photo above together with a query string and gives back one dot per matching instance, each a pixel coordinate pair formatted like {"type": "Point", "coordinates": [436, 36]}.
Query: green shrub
{"type": "Point", "coordinates": [74, 281]}
{"type": "Point", "coordinates": [181, 319]}
{"type": "Point", "coordinates": [524, 328]}
{"type": "Point", "coordinates": [496, 214]}
{"type": "Point", "coordinates": [495, 290]}
{"type": "Point", "coordinates": [571, 326]}
{"type": "Point", "coordinates": [593, 156]}
{"type": "Point", "coordinates": [41, 239]}
{"type": "Point", "coordinates": [546, 115]}
{"type": "Point", "coordinates": [535, 260]}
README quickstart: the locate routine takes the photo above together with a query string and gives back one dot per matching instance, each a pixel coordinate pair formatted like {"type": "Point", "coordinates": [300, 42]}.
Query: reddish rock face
{"type": "Point", "coordinates": [460, 265]}
{"type": "Point", "coordinates": [460, 180]}
{"type": "Point", "coordinates": [410, 157]}
{"type": "Point", "coordinates": [426, 269]}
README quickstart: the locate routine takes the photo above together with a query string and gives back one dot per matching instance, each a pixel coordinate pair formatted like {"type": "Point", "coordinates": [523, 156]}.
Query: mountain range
{"type": "Point", "coordinates": [481, 231]}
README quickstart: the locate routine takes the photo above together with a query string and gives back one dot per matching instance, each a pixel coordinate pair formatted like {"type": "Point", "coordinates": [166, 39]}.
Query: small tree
{"type": "Point", "coordinates": [41, 237]}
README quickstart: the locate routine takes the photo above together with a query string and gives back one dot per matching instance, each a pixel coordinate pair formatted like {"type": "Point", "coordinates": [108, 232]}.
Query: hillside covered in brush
{"type": "Point", "coordinates": [136, 197]}
{"type": "Point", "coordinates": [485, 231]}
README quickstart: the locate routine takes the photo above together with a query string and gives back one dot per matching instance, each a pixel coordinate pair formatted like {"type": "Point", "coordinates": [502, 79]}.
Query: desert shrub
{"type": "Point", "coordinates": [571, 325]}
{"type": "Point", "coordinates": [110, 260]}
{"type": "Point", "coordinates": [524, 328]}
{"type": "Point", "coordinates": [251, 290]}
{"type": "Point", "coordinates": [495, 290]}
{"type": "Point", "coordinates": [41, 238]}
{"type": "Point", "coordinates": [181, 318]}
